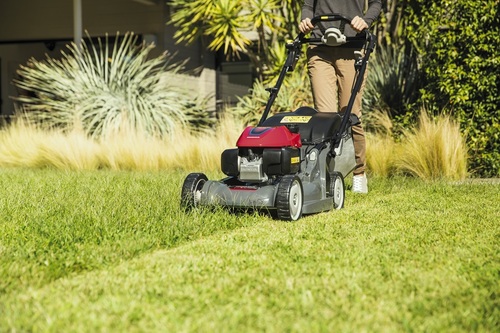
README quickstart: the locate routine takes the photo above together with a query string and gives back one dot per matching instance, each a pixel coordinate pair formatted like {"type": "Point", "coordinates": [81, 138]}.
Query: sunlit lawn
{"type": "Point", "coordinates": [90, 251]}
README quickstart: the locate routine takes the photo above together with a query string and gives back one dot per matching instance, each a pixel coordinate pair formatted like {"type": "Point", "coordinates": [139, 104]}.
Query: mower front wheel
{"type": "Point", "coordinates": [191, 190]}
{"type": "Point", "coordinates": [290, 198]}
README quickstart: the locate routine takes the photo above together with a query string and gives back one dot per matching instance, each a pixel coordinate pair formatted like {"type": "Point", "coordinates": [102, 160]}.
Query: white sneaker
{"type": "Point", "coordinates": [360, 184]}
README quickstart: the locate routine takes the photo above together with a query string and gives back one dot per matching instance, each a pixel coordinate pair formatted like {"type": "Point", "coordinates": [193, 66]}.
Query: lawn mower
{"type": "Point", "coordinates": [292, 163]}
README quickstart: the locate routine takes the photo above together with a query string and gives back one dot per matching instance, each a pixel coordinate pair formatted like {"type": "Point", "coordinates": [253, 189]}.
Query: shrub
{"type": "Point", "coordinates": [100, 89]}
{"type": "Point", "coordinates": [457, 42]}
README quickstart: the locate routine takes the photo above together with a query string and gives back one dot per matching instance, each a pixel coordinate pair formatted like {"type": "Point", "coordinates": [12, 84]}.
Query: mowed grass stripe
{"type": "Point", "coordinates": [54, 224]}
{"type": "Point", "coordinates": [408, 257]}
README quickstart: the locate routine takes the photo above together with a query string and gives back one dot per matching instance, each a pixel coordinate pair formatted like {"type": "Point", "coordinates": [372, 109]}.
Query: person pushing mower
{"type": "Point", "coordinates": [331, 69]}
{"type": "Point", "coordinates": [293, 163]}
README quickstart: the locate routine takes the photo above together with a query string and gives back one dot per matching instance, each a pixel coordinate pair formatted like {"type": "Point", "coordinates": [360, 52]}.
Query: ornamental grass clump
{"type": "Point", "coordinates": [381, 147]}
{"type": "Point", "coordinates": [435, 149]}
{"type": "Point", "coordinates": [100, 88]}
{"type": "Point", "coordinates": [24, 145]}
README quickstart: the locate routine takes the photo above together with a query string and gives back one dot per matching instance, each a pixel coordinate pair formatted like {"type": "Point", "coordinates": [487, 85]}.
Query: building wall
{"type": "Point", "coordinates": [22, 20]}
{"type": "Point", "coordinates": [30, 28]}
{"type": "Point", "coordinates": [13, 55]}
{"type": "Point", "coordinates": [53, 19]}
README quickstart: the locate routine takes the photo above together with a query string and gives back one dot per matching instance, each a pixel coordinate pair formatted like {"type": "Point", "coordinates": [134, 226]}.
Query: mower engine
{"type": "Point", "coordinates": [263, 152]}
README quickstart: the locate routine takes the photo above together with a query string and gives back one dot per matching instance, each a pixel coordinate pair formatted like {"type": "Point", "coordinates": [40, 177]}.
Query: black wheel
{"type": "Point", "coordinates": [290, 198]}
{"type": "Point", "coordinates": [337, 190]}
{"type": "Point", "coordinates": [191, 190]}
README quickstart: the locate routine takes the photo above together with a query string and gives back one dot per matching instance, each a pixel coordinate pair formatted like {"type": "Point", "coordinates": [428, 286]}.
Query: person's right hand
{"type": "Point", "coordinates": [305, 25]}
{"type": "Point", "coordinates": [358, 24]}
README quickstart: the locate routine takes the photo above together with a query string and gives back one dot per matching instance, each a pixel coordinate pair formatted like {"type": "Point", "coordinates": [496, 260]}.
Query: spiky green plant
{"type": "Point", "coordinates": [391, 83]}
{"type": "Point", "coordinates": [227, 24]}
{"type": "Point", "coordinates": [99, 88]}
{"type": "Point", "coordinates": [294, 92]}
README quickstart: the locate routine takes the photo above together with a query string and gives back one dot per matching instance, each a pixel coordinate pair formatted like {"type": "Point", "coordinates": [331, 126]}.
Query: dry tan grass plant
{"type": "Point", "coordinates": [381, 153]}
{"type": "Point", "coordinates": [380, 145]}
{"type": "Point", "coordinates": [25, 145]}
{"type": "Point", "coordinates": [20, 145]}
{"type": "Point", "coordinates": [202, 152]}
{"type": "Point", "coordinates": [433, 150]}
{"type": "Point", "coordinates": [69, 151]}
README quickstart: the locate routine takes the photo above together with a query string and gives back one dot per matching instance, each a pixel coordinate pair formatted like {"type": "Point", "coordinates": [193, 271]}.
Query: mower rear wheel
{"type": "Point", "coordinates": [290, 198]}
{"type": "Point", "coordinates": [191, 190]}
{"type": "Point", "coordinates": [337, 190]}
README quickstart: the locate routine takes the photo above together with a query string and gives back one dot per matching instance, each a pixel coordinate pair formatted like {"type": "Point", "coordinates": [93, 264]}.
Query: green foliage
{"type": "Point", "coordinates": [457, 43]}
{"type": "Point", "coordinates": [391, 82]}
{"type": "Point", "coordinates": [112, 252]}
{"type": "Point", "coordinates": [294, 93]}
{"type": "Point", "coordinates": [228, 25]}
{"type": "Point", "coordinates": [225, 26]}
{"type": "Point", "coordinates": [390, 26]}
{"type": "Point", "coordinates": [104, 88]}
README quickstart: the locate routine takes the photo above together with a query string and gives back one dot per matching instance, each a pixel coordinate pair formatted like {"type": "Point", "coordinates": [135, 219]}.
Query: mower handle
{"type": "Point", "coordinates": [294, 46]}
{"type": "Point", "coordinates": [325, 18]}
{"type": "Point", "coordinates": [294, 50]}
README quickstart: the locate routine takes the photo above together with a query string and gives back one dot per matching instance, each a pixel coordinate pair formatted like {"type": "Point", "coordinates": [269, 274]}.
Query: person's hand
{"type": "Point", "coordinates": [305, 25]}
{"type": "Point", "coordinates": [358, 24]}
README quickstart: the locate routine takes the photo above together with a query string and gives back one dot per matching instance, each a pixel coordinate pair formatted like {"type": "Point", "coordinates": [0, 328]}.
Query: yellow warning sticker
{"type": "Point", "coordinates": [295, 160]}
{"type": "Point", "coordinates": [295, 119]}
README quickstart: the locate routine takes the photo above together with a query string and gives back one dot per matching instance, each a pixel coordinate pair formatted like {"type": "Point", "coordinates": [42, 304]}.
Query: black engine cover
{"type": "Point", "coordinates": [229, 162]}
{"type": "Point", "coordinates": [275, 161]}
{"type": "Point", "coordinates": [281, 161]}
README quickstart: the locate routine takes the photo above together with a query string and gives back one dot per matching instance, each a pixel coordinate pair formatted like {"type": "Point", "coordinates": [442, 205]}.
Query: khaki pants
{"type": "Point", "coordinates": [331, 70]}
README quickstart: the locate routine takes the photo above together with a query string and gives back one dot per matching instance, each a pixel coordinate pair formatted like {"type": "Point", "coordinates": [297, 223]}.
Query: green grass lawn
{"type": "Point", "coordinates": [104, 251]}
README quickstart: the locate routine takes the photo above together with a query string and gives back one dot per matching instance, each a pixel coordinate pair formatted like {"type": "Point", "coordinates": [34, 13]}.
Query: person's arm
{"type": "Point", "coordinates": [305, 24]}
{"type": "Point", "coordinates": [307, 9]}
{"type": "Point", "coordinates": [372, 13]}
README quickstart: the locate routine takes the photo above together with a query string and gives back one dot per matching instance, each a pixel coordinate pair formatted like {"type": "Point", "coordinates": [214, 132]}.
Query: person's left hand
{"type": "Point", "coordinates": [358, 24]}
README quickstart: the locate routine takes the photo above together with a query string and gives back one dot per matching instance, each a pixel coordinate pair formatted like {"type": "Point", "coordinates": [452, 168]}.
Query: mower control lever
{"type": "Point", "coordinates": [359, 59]}
{"type": "Point", "coordinates": [333, 37]}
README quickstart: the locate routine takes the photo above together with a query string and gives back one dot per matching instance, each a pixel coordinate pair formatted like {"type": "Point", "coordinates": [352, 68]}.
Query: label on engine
{"type": "Point", "coordinates": [295, 160]}
{"type": "Point", "coordinates": [295, 119]}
